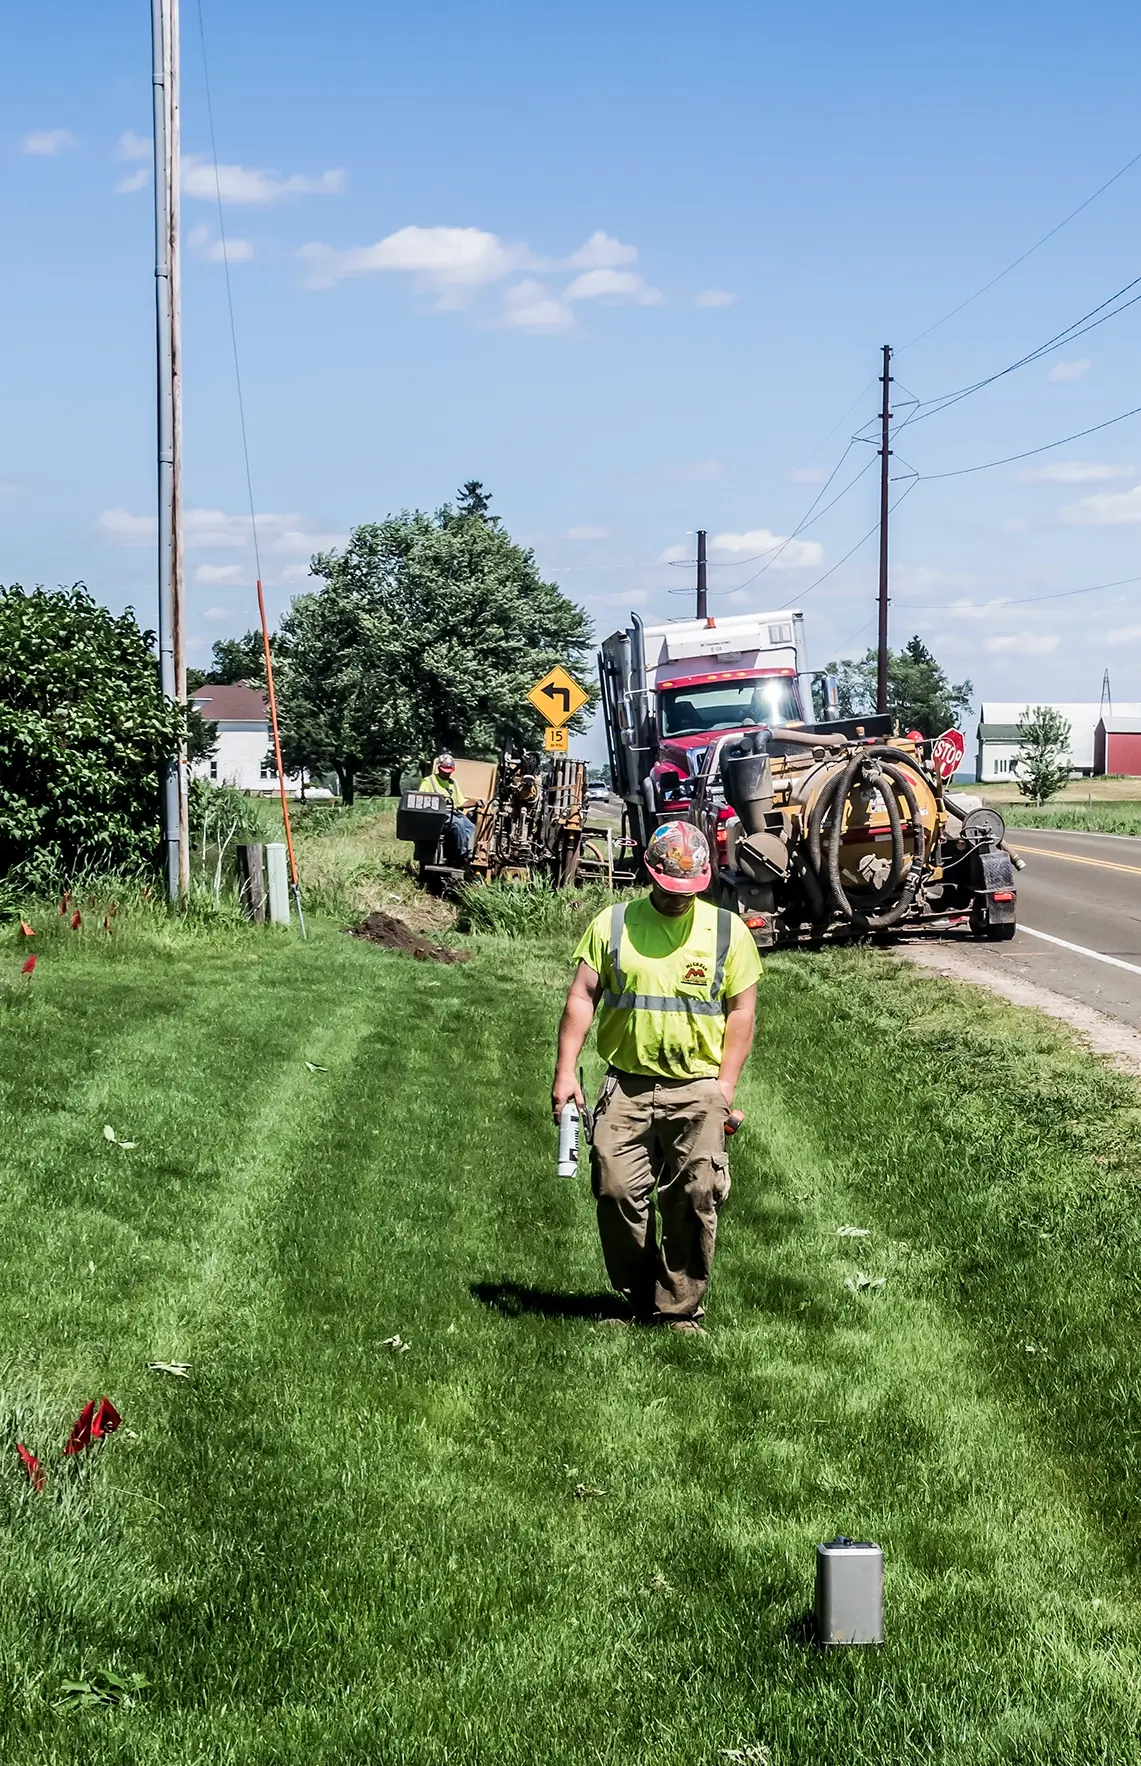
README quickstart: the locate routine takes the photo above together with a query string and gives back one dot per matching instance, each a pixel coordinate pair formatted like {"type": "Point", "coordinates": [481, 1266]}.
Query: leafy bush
{"type": "Point", "coordinates": [84, 732]}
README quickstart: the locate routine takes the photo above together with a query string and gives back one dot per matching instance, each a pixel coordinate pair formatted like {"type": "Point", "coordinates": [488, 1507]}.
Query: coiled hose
{"type": "Point", "coordinates": [875, 909]}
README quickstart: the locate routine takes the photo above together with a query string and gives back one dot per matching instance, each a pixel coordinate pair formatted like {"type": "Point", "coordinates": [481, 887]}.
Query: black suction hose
{"type": "Point", "coordinates": [877, 909]}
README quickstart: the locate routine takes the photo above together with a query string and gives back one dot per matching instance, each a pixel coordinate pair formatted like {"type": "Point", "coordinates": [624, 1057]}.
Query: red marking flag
{"type": "Point", "coordinates": [32, 1466]}
{"type": "Point", "coordinates": [76, 920]}
{"type": "Point", "coordinates": [28, 965]}
{"type": "Point", "coordinates": [26, 929]}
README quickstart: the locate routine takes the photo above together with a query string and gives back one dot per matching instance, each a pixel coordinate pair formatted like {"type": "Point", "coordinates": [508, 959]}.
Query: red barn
{"type": "Point", "coordinates": [1117, 746]}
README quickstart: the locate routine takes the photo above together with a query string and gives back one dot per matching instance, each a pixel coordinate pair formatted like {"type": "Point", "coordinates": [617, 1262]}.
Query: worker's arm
{"type": "Point", "coordinates": [574, 1028]}
{"type": "Point", "coordinates": [740, 1020]}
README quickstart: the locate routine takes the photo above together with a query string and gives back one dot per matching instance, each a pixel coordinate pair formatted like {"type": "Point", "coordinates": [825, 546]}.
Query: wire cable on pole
{"type": "Point", "coordinates": [295, 885]}
{"type": "Point", "coordinates": [1019, 601]}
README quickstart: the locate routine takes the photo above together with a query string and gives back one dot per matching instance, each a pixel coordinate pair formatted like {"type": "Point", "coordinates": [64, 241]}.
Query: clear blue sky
{"type": "Point", "coordinates": [627, 263]}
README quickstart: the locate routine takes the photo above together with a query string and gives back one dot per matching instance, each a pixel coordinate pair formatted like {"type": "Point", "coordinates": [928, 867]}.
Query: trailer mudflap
{"type": "Point", "coordinates": [995, 896]}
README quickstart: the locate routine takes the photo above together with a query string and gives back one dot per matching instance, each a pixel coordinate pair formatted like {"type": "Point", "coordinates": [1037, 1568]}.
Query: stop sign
{"type": "Point", "coordinates": [947, 753]}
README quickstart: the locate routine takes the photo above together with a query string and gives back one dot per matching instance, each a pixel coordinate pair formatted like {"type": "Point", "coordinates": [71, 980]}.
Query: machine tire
{"type": "Point", "coordinates": [1000, 934]}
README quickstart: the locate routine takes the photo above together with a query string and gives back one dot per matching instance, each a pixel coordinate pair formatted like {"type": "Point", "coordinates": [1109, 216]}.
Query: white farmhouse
{"type": "Point", "coordinates": [999, 742]}
{"type": "Point", "coordinates": [243, 755]}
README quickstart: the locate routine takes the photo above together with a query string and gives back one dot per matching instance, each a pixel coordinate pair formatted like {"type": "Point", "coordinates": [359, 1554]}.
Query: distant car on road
{"type": "Point", "coordinates": [597, 793]}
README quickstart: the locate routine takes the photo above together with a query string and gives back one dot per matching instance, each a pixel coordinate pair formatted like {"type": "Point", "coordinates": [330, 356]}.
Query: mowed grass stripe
{"type": "Point", "coordinates": [361, 1554]}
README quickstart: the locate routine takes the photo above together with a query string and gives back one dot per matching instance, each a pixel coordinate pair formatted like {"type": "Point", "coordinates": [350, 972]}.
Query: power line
{"type": "Point", "coordinates": [1079, 328]}
{"type": "Point", "coordinates": [1007, 459]}
{"type": "Point", "coordinates": [1022, 600]}
{"type": "Point", "coordinates": [851, 554]}
{"type": "Point", "coordinates": [987, 286]}
{"type": "Point", "coordinates": [229, 289]}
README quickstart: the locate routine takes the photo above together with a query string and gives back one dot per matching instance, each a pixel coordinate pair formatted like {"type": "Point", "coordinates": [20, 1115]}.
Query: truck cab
{"type": "Point", "coordinates": [670, 692]}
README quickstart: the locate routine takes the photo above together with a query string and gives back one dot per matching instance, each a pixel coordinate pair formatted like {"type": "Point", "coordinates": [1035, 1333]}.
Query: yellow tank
{"type": "Point", "coordinates": [866, 835]}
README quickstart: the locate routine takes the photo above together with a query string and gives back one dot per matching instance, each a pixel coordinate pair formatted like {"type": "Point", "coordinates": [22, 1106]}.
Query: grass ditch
{"type": "Point", "coordinates": [322, 1543]}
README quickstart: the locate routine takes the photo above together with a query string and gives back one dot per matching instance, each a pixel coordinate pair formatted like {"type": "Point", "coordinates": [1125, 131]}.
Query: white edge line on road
{"type": "Point", "coordinates": [1083, 950]}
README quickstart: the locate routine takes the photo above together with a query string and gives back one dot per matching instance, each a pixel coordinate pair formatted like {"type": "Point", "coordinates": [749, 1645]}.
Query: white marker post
{"type": "Point", "coordinates": [277, 877]}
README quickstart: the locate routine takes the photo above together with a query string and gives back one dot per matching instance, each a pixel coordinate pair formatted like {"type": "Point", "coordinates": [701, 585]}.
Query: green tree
{"type": "Point", "coordinates": [1042, 764]}
{"type": "Point", "coordinates": [426, 633]}
{"type": "Point", "coordinates": [919, 695]}
{"type": "Point", "coordinates": [84, 733]}
{"type": "Point", "coordinates": [235, 660]}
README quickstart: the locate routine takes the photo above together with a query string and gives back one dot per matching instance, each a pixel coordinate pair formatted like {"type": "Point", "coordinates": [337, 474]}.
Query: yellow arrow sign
{"type": "Point", "coordinates": [557, 697]}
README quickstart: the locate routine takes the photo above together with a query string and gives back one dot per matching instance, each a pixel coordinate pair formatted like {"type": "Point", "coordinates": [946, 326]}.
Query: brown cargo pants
{"type": "Point", "coordinates": [668, 1133]}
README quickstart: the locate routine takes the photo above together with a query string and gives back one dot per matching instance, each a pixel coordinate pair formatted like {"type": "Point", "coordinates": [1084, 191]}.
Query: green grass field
{"type": "Point", "coordinates": [1089, 806]}
{"type": "Point", "coordinates": [530, 1537]}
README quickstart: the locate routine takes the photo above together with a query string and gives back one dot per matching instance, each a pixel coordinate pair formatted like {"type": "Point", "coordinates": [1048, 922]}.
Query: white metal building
{"type": "Point", "coordinates": [998, 739]}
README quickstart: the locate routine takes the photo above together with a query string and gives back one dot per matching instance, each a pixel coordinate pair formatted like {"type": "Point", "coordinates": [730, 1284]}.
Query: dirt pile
{"type": "Point", "coordinates": [394, 934]}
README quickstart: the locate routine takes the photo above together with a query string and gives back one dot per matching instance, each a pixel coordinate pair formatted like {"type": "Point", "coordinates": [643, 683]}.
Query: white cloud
{"type": "Point", "coordinates": [694, 471]}
{"type": "Point", "coordinates": [587, 533]}
{"type": "Point", "coordinates": [132, 146]}
{"type": "Point", "coordinates": [531, 306]}
{"type": "Point", "coordinates": [300, 541]}
{"type": "Point", "coordinates": [797, 554]}
{"type": "Point", "coordinates": [447, 258]}
{"type": "Point", "coordinates": [1069, 370]}
{"type": "Point", "coordinates": [217, 613]}
{"type": "Point", "coordinates": [808, 475]}
{"type": "Point", "coordinates": [1106, 509]}
{"type": "Point", "coordinates": [243, 184]}
{"type": "Point", "coordinates": [132, 182]}
{"type": "Point", "coordinates": [1023, 644]}
{"type": "Point", "coordinates": [614, 285]}
{"type": "Point", "coordinates": [46, 143]}
{"type": "Point", "coordinates": [233, 575]}
{"type": "Point", "coordinates": [601, 252]}
{"type": "Point", "coordinates": [1073, 472]}
{"type": "Point", "coordinates": [1125, 634]}
{"type": "Point", "coordinates": [235, 251]}
{"type": "Point", "coordinates": [674, 554]}
{"type": "Point", "coordinates": [714, 297]}
{"type": "Point", "coordinates": [214, 530]}
{"type": "Point", "coordinates": [131, 530]}
{"type": "Point", "coordinates": [295, 573]}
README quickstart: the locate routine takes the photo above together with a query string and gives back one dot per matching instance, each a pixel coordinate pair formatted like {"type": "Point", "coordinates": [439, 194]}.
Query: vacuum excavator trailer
{"type": "Point", "coordinates": [838, 829]}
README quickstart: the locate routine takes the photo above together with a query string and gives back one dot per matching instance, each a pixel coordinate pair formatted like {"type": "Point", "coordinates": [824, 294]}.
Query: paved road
{"type": "Point", "coordinates": [1085, 890]}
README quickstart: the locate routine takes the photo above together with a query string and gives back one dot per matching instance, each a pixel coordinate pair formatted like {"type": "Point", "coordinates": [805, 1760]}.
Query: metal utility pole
{"type": "Point", "coordinates": [171, 625]}
{"type": "Point", "coordinates": [1106, 695]}
{"type": "Point", "coordinates": [885, 457]}
{"type": "Point", "coordinates": [702, 582]}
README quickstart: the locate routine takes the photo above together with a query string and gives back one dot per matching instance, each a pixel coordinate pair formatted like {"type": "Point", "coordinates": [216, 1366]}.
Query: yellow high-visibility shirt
{"type": "Point", "coordinates": [444, 788]}
{"type": "Point", "coordinates": [665, 981]}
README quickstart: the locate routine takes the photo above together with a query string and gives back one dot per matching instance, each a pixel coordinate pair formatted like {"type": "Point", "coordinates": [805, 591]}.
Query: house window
{"type": "Point", "coordinates": [213, 769]}
{"type": "Point", "coordinates": [266, 770]}
{"type": "Point", "coordinates": [1001, 766]}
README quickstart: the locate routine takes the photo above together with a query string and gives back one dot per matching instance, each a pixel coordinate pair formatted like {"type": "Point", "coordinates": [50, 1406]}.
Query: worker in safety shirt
{"type": "Point", "coordinates": [677, 982]}
{"type": "Point", "coordinates": [460, 832]}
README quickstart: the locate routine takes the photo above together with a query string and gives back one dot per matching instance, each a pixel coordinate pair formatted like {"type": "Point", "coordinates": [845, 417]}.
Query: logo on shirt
{"type": "Point", "coordinates": [696, 972]}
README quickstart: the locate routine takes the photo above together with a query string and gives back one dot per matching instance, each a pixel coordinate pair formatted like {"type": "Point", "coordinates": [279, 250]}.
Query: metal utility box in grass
{"type": "Point", "coordinates": [849, 1593]}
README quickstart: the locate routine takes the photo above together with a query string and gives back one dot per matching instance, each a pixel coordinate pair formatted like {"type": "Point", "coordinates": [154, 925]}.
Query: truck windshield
{"type": "Point", "coordinates": [697, 708]}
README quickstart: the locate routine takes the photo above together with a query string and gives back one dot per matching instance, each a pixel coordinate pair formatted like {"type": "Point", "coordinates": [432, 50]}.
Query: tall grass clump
{"type": "Point", "coordinates": [1091, 818]}
{"type": "Point", "coordinates": [529, 910]}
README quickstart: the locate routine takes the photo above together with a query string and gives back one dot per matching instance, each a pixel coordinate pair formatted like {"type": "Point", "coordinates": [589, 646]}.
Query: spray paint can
{"type": "Point", "coordinates": [568, 1139]}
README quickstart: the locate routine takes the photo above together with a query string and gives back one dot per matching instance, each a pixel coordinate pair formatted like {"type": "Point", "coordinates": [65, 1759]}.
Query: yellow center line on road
{"type": "Point", "coordinates": [1077, 858]}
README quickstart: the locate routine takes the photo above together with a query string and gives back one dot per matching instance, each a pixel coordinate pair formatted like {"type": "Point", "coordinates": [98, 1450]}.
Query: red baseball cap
{"type": "Point", "coordinates": [677, 858]}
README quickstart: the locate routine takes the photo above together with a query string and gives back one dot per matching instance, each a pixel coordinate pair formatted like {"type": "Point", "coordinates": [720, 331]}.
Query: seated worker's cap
{"type": "Point", "coordinates": [677, 858]}
{"type": "Point", "coordinates": [445, 764]}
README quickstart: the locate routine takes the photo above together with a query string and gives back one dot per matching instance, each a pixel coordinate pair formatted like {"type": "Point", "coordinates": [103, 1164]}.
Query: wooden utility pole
{"type": "Point", "coordinates": [171, 619]}
{"type": "Point", "coordinates": [885, 457]}
{"type": "Point", "coordinates": [702, 579]}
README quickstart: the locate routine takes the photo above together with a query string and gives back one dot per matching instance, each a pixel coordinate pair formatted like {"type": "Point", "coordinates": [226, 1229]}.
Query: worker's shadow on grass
{"type": "Point", "coordinates": [519, 1300]}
